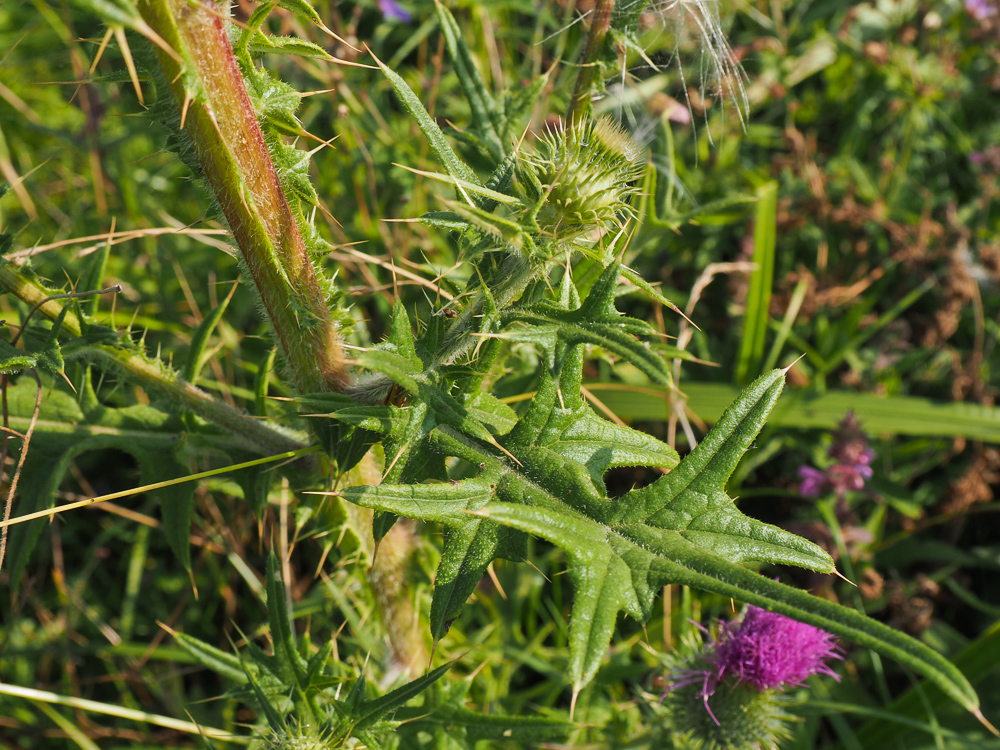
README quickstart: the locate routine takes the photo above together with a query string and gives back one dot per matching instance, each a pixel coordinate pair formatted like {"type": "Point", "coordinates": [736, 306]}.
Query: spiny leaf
{"type": "Point", "coordinates": [595, 322]}
{"type": "Point", "coordinates": [486, 197]}
{"type": "Point", "coordinates": [486, 120]}
{"type": "Point", "coordinates": [403, 366]}
{"type": "Point", "coordinates": [445, 711]}
{"type": "Point", "coordinates": [261, 43]}
{"type": "Point", "coordinates": [681, 529]}
{"type": "Point", "coordinates": [441, 503]}
{"type": "Point", "coordinates": [452, 164]}
{"type": "Point", "coordinates": [294, 666]}
{"type": "Point", "coordinates": [370, 712]}
{"type": "Point", "coordinates": [212, 658]}
{"type": "Point", "coordinates": [603, 581]}
{"type": "Point", "coordinates": [14, 360]}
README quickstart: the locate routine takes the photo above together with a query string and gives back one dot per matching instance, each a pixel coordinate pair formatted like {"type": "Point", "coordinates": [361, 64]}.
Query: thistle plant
{"type": "Point", "coordinates": [413, 426]}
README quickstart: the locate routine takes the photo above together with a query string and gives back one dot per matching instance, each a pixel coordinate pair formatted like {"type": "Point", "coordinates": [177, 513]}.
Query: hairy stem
{"type": "Point", "coordinates": [515, 274]}
{"type": "Point", "coordinates": [258, 435]}
{"type": "Point", "coordinates": [395, 598]}
{"type": "Point", "coordinates": [217, 115]}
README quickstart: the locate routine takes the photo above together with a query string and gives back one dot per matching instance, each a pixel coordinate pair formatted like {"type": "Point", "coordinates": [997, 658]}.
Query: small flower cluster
{"type": "Point", "coordinates": [981, 10]}
{"type": "Point", "coordinates": [851, 466]}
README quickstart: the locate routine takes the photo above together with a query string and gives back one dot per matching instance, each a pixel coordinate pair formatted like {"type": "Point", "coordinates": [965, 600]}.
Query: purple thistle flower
{"type": "Point", "coordinates": [771, 651]}
{"type": "Point", "coordinates": [765, 650]}
{"type": "Point", "coordinates": [392, 9]}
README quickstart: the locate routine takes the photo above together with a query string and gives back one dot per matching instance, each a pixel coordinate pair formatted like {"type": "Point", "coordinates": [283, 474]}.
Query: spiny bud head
{"type": "Point", "coordinates": [747, 719]}
{"type": "Point", "coordinates": [584, 173]}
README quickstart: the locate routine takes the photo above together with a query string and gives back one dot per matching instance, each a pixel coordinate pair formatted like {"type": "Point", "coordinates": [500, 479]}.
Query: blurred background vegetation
{"type": "Point", "coordinates": [878, 124]}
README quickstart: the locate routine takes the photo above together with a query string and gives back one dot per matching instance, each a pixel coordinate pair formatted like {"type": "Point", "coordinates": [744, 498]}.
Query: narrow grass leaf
{"type": "Point", "coordinates": [881, 415]}
{"type": "Point", "coordinates": [758, 302]}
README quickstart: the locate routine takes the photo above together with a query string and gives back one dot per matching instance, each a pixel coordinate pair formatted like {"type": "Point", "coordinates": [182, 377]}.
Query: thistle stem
{"type": "Point", "coordinates": [256, 434]}
{"type": "Point", "coordinates": [217, 115]}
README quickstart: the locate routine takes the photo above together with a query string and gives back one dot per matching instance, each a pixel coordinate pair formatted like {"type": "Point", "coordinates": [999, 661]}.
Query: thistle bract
{"type": "Point", "coordinates": [581, 176]}
{"type": "Point", "coordinates": [743, 719]}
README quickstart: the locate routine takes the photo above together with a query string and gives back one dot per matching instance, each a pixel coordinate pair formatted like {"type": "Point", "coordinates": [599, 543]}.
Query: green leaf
{"type": "Point", "coordinates": [449, 717]}
{"type": "Point", "coordinates": [487, 197]}
{"type": "Point", "coordinates": [263, 701]}
{"type": "Point", "coordinates": [261, 43]}
{"type": "Point", "coordinates": [977, 661]}
{"type": "Point", "coordinates": [41, 343]}
{"type": "Point", "coordinates": [594, 322]}
{"type": "Point", "coordinates": [442, 503]}
{"type": "Point", "coordinates": [452, 164]}
{"type": "Point", "coordinates": [601, 445]}
{"type": "Point", "coordinates": [279, 617]}
{"type": "Point", "coordinates": [14, 360]}
{"type": "Point", "coordinates": [226, 665]}
{"type": "Point", "coordinates": [486, 120]}
{"type": "Point", "coordinates": [893, 415]}
{"type": "Point", "coordinates": [176, 500]}
{"type": "Point", "coordinates": [602, 579]}
{"type": "Point", "coordinates": [500, 181]}
{"type": "Point", "coordinates": [755, 319]}
{"type": "Point", "coordinates": [681, 529]}
{"type": "Point", "coordinates": [647, 288]}
{"type": "Point", "coordinates": [303, 9]}
{"type": "Point", "coordinates": [444, 220]}
{"type": "Point", "coordinates": [492, 412]}
{"type": "Point", "coordinates": [371, 712]}
{"type": "Point", "coordinates": [443, 407]}
{"type": "Point", "coordinates": [509, 233]}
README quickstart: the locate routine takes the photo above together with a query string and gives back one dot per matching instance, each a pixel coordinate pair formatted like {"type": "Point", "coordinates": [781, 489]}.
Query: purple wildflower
{"type": "Point", "coordinates": [852, 463]}
{"type": "Point", "coordinates": [813, 482]}
{"type": "Point", "coordinates": [392, 9]}
{"type": "Point", "coordinates": [981, 10]}
{"type": "Point", "coordinates": [765, 650]}
{"type": "Point", "coordinates": [771, 651]}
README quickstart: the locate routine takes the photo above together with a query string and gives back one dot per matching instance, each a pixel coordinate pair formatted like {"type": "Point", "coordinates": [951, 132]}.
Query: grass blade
{"type": "Point", "coordinates": [759, 296]}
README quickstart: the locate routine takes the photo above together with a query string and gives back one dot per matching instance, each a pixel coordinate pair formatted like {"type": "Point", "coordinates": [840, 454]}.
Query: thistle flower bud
{"type": "Point", "coordinates": [295, 740]}
{"type": "Point", "coordinates": [580, 176]}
